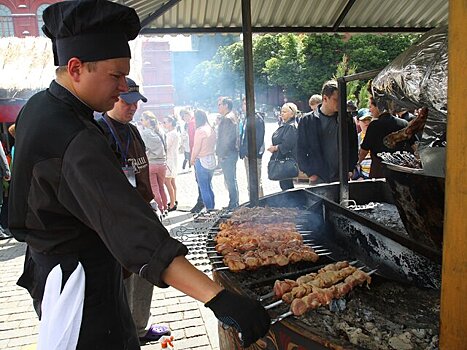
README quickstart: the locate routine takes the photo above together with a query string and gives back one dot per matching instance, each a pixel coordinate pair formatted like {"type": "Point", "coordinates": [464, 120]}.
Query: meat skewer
{"type": "Point", "coordinates": [324, 296]}
{"type": "Point", "coordinates": [282, 287]}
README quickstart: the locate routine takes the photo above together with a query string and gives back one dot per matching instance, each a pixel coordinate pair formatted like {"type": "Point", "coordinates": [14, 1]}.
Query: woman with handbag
{"type": "Point", "coordinates": [283, 163]}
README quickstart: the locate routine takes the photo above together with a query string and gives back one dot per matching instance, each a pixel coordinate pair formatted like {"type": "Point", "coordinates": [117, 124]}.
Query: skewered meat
{"type": "Point", "coordinates": [414, 126]}
{"type": "Point", "coordinates": [254, 259]}
{"type": "Point", "coordinates": [319, 297]}
{"type": "Point", "coordinates": [282, 287]}
{"type": "Point", "coordinates": [324, 279]}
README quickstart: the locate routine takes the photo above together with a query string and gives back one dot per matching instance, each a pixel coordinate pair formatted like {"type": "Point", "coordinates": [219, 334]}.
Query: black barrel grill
{"type": "Point", "coordinates": [401, 308]}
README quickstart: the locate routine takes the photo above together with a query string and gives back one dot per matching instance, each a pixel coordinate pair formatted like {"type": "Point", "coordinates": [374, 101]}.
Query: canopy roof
{"type": "Point", "coordinates": [197, 16]}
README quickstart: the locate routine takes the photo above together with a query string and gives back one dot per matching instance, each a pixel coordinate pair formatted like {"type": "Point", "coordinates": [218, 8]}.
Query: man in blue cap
{"type": "Point", "coordinates": [74, 206]}
{"type": "Point", "coordinates": [128, 145]}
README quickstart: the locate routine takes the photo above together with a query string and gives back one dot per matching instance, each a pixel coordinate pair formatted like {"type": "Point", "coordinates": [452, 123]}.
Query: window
{"type": "Point", "coordinates": [40, 21]}
{"type": "Point", "coordinates": [6, 22]}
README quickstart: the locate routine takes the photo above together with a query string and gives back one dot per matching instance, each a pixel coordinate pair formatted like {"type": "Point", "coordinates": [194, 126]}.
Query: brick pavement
{"type": "Point", "coordinates": [193, 326]}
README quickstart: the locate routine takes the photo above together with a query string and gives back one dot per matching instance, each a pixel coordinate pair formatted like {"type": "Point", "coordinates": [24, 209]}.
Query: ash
{"type": "Point", "coordinates": [388, 316]}
{"type": "Point", "coordinates": [386, 215]}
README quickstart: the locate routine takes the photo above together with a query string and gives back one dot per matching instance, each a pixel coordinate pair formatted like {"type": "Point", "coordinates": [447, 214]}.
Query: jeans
{"type": "Point", "coordinates": [204, 179]}
{"type": "Point", "coordinates": [229, 168]}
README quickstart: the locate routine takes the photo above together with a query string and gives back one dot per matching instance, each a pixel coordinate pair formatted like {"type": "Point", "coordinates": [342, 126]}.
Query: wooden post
{"type": "Point", "coordinates": [453, 332]}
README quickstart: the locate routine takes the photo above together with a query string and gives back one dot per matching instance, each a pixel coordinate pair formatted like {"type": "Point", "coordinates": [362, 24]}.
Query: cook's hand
{"type": "Point", "coordinates": [272, 149]}
{"type": "Point", "coordinates": [313, 178]}
{"type": "Point", "coordinates": [248, 316]}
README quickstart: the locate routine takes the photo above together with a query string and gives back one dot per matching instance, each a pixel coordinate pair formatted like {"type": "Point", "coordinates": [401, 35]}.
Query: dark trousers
{"type": "Point", "coordinates": [229, 168]}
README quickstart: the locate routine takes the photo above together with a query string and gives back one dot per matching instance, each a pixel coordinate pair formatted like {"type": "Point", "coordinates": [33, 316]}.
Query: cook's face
{"type": "Point", "coordinates": [124, 112]}
{"type": "Point", "coordinates": [332, 102]}
{"type": "Point", "coordinates": [286, 113]}
{"type": "Point", "coordinates": [100, 88]}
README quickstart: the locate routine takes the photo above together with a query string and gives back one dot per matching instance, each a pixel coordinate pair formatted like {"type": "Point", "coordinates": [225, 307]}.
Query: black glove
{"type": "Point", "coordinates": [248, 316]}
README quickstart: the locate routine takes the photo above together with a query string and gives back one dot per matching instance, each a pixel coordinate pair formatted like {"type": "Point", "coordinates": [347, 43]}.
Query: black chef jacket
{"type": "Point", "coordinates": [69, 195]}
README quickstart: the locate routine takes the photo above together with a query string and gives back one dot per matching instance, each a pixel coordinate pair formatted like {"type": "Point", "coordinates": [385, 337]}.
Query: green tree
{"type": "Point", "coordinates": [370, 51]}
{"type": "Point", "coordinates": [345, 68]}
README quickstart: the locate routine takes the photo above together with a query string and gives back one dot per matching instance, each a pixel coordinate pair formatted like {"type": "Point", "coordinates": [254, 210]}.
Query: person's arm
{"type": "Point", "coordinates": [182, 275]}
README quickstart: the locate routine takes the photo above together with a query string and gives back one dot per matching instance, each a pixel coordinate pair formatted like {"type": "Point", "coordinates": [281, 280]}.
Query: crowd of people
{"type": "Point", "coordinates": [310, 139]}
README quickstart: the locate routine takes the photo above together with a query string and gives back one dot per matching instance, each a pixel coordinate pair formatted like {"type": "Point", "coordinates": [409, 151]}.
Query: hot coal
{"type": "Point", "coordinates": [386, 316]}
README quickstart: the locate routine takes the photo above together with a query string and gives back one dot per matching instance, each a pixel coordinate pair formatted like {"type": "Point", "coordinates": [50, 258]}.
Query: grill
{"type": "Point", "coordinates": [400, 310]}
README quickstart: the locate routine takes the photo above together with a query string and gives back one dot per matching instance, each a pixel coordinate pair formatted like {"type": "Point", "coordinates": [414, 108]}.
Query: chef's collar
{"type": "Point", "coordinates": [65, 95]}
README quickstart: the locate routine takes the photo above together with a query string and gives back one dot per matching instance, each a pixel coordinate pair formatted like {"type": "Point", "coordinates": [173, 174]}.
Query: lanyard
{"type": "Point", "coordinates": [117, 139]}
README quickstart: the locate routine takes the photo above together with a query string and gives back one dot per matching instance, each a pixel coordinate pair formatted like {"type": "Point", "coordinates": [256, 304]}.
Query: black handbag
{"type": "Point", "coordinates": [282, 169]}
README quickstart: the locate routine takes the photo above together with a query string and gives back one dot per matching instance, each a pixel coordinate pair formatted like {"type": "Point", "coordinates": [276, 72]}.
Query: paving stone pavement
{"type": "Point", "coordinates": [193, 326]}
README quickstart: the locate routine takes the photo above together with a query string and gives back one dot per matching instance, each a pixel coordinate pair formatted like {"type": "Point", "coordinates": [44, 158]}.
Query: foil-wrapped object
{"type": "Point", "coordinates": [419, 77]}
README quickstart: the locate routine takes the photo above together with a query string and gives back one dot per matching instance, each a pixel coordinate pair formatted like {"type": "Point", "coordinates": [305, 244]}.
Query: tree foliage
{"type": "Point", "coordinates": [297, 63]}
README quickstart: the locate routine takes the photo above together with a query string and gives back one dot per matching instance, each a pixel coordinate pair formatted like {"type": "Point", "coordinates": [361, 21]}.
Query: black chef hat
{"type": "Point", "coordinates": [91, 30]}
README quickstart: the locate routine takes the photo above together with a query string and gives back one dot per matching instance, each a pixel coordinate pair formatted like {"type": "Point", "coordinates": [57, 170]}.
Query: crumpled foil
{"type": "Point", "coordinates": [419, 77]}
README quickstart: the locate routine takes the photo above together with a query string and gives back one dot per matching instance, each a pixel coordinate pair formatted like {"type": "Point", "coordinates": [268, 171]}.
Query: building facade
{"type": "Point", "coordinates": [21, 18]}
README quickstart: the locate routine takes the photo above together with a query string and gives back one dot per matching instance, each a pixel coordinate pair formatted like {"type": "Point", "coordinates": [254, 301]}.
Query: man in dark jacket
{"type": "Point", "coordinates": [75, 207]}
{"type": "Point", "coordinates": [260, 129]}
{"type": "Point", "coordinates": [227, 148]}
{"type": "Point", "coordinates": [317, 145]}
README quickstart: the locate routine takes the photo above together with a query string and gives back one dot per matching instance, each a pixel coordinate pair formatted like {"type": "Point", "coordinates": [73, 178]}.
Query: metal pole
{"type": "Point", "coordinates": [250, 102]}
{"type": "Point", "coordinates": [343, 141]}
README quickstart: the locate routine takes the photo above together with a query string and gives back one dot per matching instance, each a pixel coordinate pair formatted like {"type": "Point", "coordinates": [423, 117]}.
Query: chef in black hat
{"type": "Point", "coordinates": [72, 203]}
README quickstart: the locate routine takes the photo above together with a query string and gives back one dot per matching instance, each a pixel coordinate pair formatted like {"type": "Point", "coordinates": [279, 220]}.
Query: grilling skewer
{"type": "Point", "coordinates": [228, 268]}
{"type": "Point", "coordinates": [308, 283]}
{"type": "Point", "coordinates": [323, 297]}
{"type": "Point", "coordinates": [327, 267]}
{"type": "Point", "coordinates": [318, 252]}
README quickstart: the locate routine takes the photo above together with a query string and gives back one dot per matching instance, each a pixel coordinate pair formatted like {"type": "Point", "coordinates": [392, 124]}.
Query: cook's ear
{"type": "Point", "coordinates": [75, 68]}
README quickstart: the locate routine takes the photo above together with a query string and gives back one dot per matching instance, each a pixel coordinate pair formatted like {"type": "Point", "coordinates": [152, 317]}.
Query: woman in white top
{"type": "Point", "coordinates": [156, 150]}
{"type": "Point", "coordinates": [173, 140]}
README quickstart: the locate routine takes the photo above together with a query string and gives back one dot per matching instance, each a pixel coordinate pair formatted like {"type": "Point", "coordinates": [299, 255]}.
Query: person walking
{"type": "Point", "coordinates": [227, 148]}
{"type": "Point", "coordinates": [203, 157]}
{"type": "Point", "coordinates": [76, 208]}
{"type": "Point", "coordinates": [156, 150]}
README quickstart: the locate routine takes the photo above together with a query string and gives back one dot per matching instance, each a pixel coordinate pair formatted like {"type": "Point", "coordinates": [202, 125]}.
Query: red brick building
{"type": "Point", "coordinates": [22, 18]}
